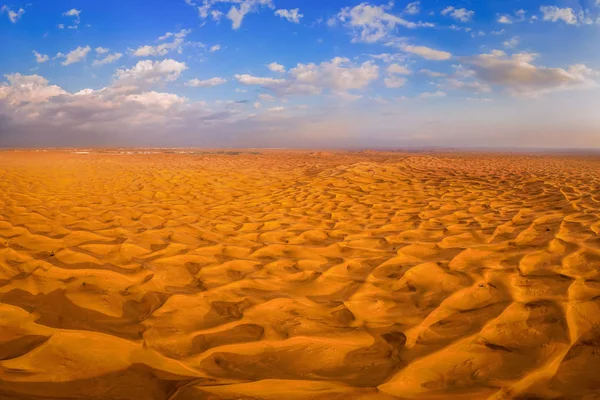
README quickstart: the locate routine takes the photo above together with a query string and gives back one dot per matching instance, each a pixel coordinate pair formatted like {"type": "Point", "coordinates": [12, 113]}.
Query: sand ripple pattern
{"type": "Point", "coordinates": [294, 275]}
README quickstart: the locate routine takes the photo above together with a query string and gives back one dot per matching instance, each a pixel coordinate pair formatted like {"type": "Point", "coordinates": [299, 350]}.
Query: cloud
{"type": "Point", "coordinates": [27, 89]}
{"type": "Point", "coordinates": [76, 55]}
{"type": "Point", "coordinates": [73, 12]}
{"type": "Point", "coordinates": [13, 16]}
{"type": "Point", "coordinates": [110, 58]}
{"type": "Point", "coordinates": [236, 14]}
{"type": "Point", "coordinates": [152, 98]}
{"type": "Point", "coordinates": [101, 50]}
{"type": "Point", "coordinates": [519, 76]}
{"type": "Point", "coordinates": [460, 14]}
{"type": "Point", "coordinates": [214, 48]}
{"type": "Point", "coordinates": [40, 58]}
{"type": "Point", "coordinates": [505, 19]}
{"type": "Point", "coordinates": [373, 23]}
{"type": "Point", "coordinates": [276, 109]}
{"type": "Point", "coordinates": [412, 8]}
{"type": "Point", "coordinates": [513, 42]}
{"type": "Point", "coordinates": [473, 86]}
{"type": "Point", "coordinates": [216, 81]}
{"type": "Point", "coordinates": [432, 74]}
{"type": "Point", "coordinates": [426, 52]}
{"type": "Point", "coordinates": [291, 15]}
{"type": "Point", "coordinates": [61, 26]}
{"type": "Point", "coordinates": [427, 95]}
{"type": "Point", "coordinates": [554, 14]}
{"type": "Point", "coordinates": [163, 48]}
{"type": "Point", "coordinates": [177, 35]}
{"type": "Point", "coordinates": [275, 67]}
{"type": "Point", "coordinates": [150, 72]}
{"type": "Point", "coordinates": [394, 82]}
{"type": "Point", "coordinates": [398, 69]}
{"type": "Point", "coordinates": [246, 79]}
{"type": "Point", "coordinates": [266, 97]}
{"type": "Point", "coordinates": [337, 76]}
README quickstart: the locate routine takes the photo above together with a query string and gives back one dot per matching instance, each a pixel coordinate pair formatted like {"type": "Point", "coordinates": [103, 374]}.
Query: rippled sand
{"type": "Point", "coordinates": [296, 275]}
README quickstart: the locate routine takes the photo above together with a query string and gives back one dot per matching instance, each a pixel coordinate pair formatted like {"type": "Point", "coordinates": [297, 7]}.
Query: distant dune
{"type": "Point", "coordinates": [184, 274]}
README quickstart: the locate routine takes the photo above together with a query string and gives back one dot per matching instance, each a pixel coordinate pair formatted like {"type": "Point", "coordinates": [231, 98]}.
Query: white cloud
{"type": "Point", "coordinates": [291, 15]}
{"type": "Point", "coordinates": [426, 95]}
{"type": "Point", "coordinates": [236, 14]}
{"type": "Point", "coordinates": [505, 19]}
{"type": "Point", "coordinates": [13, 16]}
{"type": "Point", "coordinates": [266, 97]}
{"type": "Point", "coordinates": [336, 74]}
{"type": "Point", "coordinates": [110, 58]}
{"type": "Point", "coordinates": [412, 8]}
{"type": "Point", "coordinates": [512, 42]}
{"type": "Point", "coordinates": [474, 86]}
{"type": "Point", "coordinates": [150, 72]}
{"type": "Point", "coordinates": [373, 23]}
{"type": "Point", "coordinates": [101, 50]}
{"type": "Point", "coordinates": [426, 52]}
{"type": "Point", "coordinates": [164, 48]}
{"type": "Point", "coordinates": [519, 76]}
{"type": "Point", "coordinates": [76, 55]}
{"type": "Point", "coordinates": [73, 12]}
{"type": "Point", "coordinates": [554, 14]}
{"type": "Point", "coordinates": [276, 109]}
{"type": "Point", "coordinates": [27, 89]}
{"type": "Point", "coordinates": [246, 79]}
{"type": "Point", "coordinates": [460, 14]}
{"type": "Point", "coordinates": [394, 82]}
{"type": "Point", "coordinates": [177, 35]}
{"type": "Point", "coordinates": [40, 58]}
{"type": "Point", "coordinates": [214, 48]}
{"type": "Point", "coordinates": [432, 74]}
{"type": "Point", "coordinates": [216, 81]}
{"type": "Point", "coordinates": [499, 32]}
{"type": "Point", "coordinates": [275, 67]}
{"type": "Point", "coordinates": [61, 26]}
{"type": "Point", "coordinates": [160, 100]}
{"type": "Point", "coordinates": [398, 69]}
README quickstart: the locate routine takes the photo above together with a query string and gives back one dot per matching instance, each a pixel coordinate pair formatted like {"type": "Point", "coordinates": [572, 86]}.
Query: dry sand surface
{"type": "Point", "coordinates": [297, 275]}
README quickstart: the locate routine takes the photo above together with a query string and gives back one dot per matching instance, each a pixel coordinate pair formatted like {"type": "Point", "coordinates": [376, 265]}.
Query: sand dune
{"type": "Point", "coordinates": [298, 275]}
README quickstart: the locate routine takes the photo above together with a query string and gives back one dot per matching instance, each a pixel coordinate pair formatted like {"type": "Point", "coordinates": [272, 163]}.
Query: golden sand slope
{"type": "Point", "coordinates": [298, 276]}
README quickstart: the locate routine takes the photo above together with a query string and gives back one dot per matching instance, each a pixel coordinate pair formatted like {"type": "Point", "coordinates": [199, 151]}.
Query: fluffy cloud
{"type": "Point", "coordinates": [373, 23]}
{"type": "Point", "coordinates": [27, 89]}
{"type": "Point", "coordinates": [108, 59]}
{"type": "Point", "coordinates": [150, 72]}
{"type": "Point", "coordinates": [337, 76]}
{"type": "Point", "coordinates": [13, 16]}
{"type": "Point", "coordinates": [460, 14]}
{"type": "Point", "coordinates": [432, 74]}
{"type": "Point", "coordinates": [214, 48]}
{"type": "Point", "coordinates": [216, 81]}
{"type": "Point", "coordinates": [76, 55]}
{"type": "Point", "coordinates": [101, 50]}
{"type": "Point", "coordinates": [73, 12]}
{"type": "Point", "coordinates": [427, 95]}
{"type": "Point", "coordinates": [163, 48]}
{"type": "Point", "coordinates": [291, 15]}
{"type": "Point", "coordinates": [236, 14]}
{"type": "Point", "coordinates": [426, 52]}
{"type": "Point", "coordinates": [512, 42]}
{"type": "Point", "coordinates": [35, 112]}
{"type": "Point", "coordinates": [398, 69]}
{"type": "Point", "coordinates": [40, 58]}
{"type": "Point", "coordinates": [412, 8]}
{"type": "Point", "coordinates": [519, 76]}
{"type": "Point", "coordinates": [554, 14]}
{"type": "Point", "coordinates": [394, 82]}
{"type": "Point", "coordinates": [275, 67]}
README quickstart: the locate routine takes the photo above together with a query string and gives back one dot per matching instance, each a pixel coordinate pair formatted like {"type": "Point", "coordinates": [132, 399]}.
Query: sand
{"type": "Point", "coordinates": [298, 275]}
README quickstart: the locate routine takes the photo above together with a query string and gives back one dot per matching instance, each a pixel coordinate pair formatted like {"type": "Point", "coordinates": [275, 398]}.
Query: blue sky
{"type": "Point", "coordinates": [285, 73]}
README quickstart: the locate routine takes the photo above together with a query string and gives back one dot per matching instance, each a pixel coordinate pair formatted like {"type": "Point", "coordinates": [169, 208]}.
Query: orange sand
{"type": "Point", "coordinates": [296, 275]}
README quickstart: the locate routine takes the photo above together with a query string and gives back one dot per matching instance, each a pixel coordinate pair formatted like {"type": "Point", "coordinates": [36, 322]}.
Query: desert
{"type": "Point", "coordinates": [281, 274]}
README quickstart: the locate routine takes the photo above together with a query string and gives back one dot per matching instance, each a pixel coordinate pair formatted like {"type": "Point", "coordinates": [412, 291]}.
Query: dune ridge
{"type": "Point", "coordinates": [297, 275]}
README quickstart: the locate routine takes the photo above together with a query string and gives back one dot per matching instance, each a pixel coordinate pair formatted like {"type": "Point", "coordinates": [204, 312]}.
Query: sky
{"type": "Point", "coordinates": [300, 73]}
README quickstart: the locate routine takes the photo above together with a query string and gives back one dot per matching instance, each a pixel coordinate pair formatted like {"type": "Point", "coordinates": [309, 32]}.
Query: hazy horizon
{"type": "Point", "coordinates": [300, 74]}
